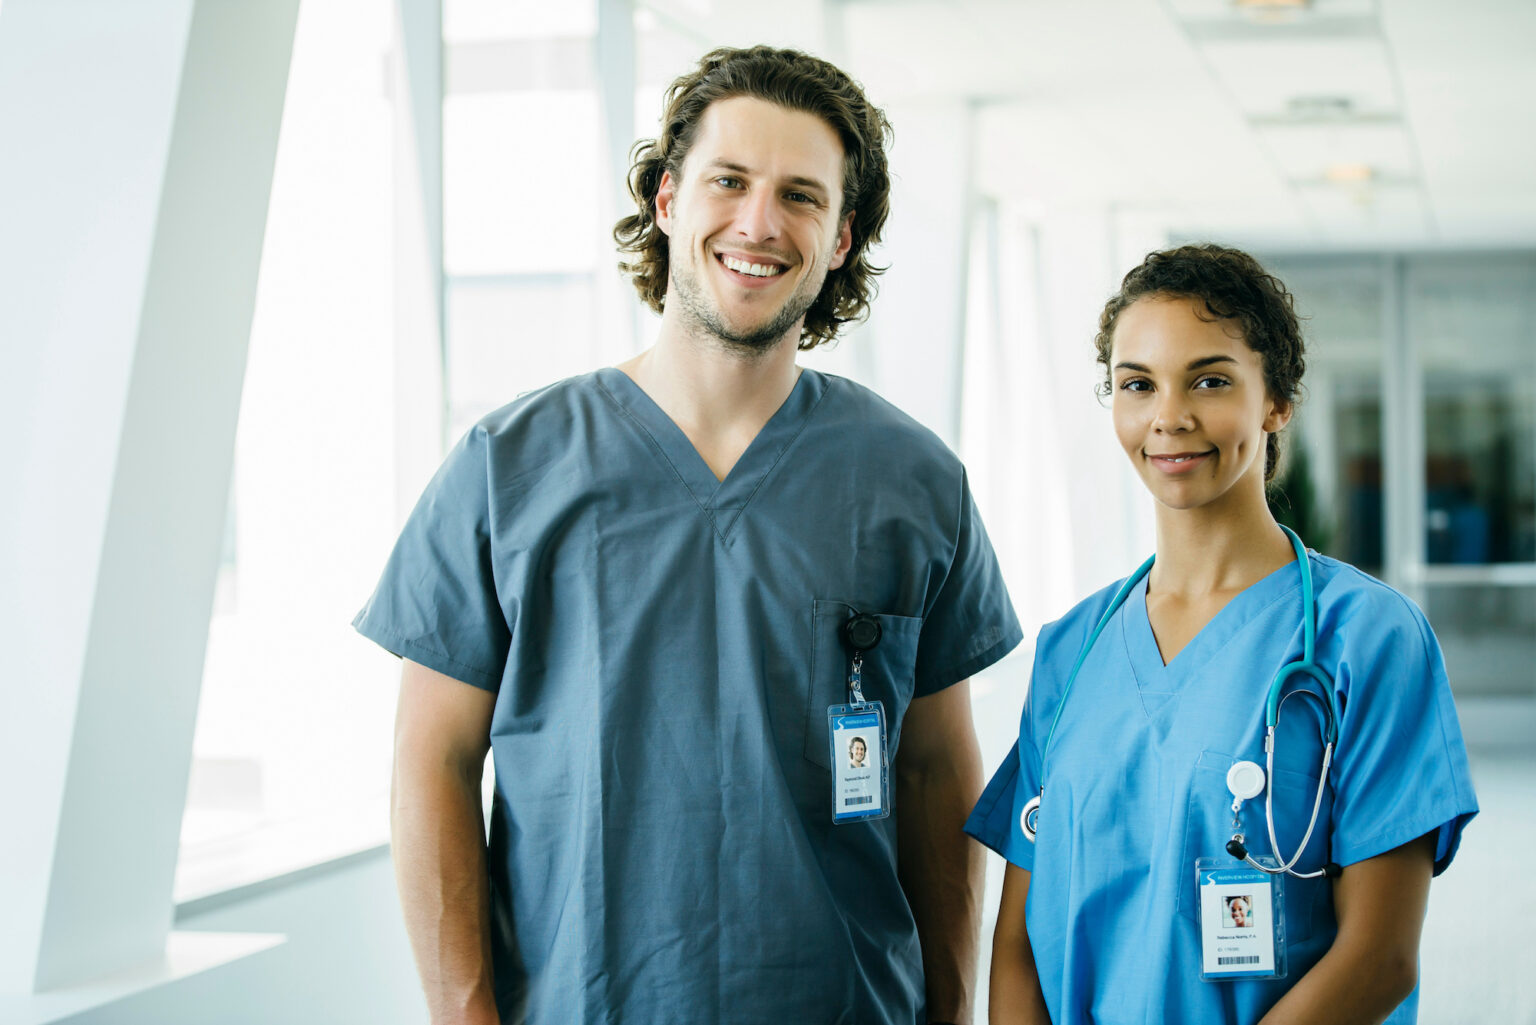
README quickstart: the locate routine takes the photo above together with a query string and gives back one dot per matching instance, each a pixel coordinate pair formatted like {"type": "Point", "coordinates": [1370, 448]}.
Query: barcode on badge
{"type": "Point", "coordinates": [1252, 959]}
{"type": "Point", "coordinates": [859, 800]}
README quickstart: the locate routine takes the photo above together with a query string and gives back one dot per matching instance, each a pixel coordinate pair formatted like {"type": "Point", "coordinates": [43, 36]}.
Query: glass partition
{"type": "Point", "coordinates": [1421, 411]}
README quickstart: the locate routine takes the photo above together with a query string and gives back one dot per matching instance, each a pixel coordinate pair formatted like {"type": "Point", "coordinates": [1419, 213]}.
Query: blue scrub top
{"type": "Point", "coordinates": [664, 647]}
{"type": "Point", "coordinates": [1135, 787]}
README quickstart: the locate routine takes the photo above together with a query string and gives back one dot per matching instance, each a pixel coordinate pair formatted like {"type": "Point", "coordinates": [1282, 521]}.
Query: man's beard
{"type": "Point", "coordinates": [689, 296]}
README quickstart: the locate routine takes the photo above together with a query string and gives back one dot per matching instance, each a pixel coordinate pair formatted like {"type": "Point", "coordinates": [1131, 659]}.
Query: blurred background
{"type": "Point", "coordinates": [261, 264]}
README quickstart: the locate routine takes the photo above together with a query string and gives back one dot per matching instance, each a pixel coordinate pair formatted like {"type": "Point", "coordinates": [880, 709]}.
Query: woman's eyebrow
{"type": "Point", "coordinates": [1203, 361]}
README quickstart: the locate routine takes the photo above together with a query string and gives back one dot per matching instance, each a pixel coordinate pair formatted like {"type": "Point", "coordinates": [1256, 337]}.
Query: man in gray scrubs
{"type": "Point", "coordinates": [665, 594]}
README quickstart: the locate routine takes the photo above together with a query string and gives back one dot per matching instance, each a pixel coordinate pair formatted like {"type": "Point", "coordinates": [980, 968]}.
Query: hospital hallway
{"type": "Point", "coordinates": [1475, 963]}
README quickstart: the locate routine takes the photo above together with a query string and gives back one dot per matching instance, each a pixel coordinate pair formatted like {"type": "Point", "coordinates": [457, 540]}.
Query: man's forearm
{"type": "Point", "coordinates": [440, 868]}
{"type": "Point", "coordinates": [942, 872]}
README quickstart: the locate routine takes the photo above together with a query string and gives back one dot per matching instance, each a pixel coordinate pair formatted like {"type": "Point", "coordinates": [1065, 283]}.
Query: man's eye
{"type": "Point", "coordinates": [728, 182]}
{"type": "Point", "coordinates": [800, 197]}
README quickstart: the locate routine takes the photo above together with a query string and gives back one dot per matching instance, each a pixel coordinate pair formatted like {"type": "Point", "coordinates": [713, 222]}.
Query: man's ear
{"type": "Point", "coordinates": [666, 192]}
{"type": "Point", "coordinates": [844, 243]}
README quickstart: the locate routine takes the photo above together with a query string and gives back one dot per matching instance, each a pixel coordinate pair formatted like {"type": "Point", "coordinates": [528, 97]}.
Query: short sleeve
{"type": "Point", "coordinates": [971, 624]}
{"type": "Point", "coordinates": [996, 819]}
{"type": "Point", "coordinates": [436, 603]}
{"type": "Point", "coordinates": [1400, 767]}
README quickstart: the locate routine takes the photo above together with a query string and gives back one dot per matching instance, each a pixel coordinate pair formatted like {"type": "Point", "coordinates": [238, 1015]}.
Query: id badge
{"type": "Point", "coordinates": [1242, 929]}
{"type": "Point", "coordinates": [860, 781]}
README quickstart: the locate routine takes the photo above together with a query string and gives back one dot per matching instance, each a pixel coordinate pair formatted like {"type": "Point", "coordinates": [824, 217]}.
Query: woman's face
{"type": "Point", "coordinates": [1190, 406]}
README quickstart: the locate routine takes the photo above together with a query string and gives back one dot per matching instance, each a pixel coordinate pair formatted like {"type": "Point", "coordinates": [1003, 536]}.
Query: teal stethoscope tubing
{"type": "Point", "coordinates": [1306, 666]}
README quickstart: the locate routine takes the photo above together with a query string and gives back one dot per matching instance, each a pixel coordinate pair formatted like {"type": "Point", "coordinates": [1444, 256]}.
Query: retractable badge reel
{"type": "Point", "coordinates": [860, 770]}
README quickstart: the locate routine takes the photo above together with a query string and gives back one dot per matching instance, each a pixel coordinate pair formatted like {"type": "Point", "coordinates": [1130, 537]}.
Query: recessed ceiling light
{"type": "Point", "coordinates": [1273, 12]}
{"type": "Point", "coordinates": [1346, 173]}
{"type": "Point", "coordinates": [1320, 108]}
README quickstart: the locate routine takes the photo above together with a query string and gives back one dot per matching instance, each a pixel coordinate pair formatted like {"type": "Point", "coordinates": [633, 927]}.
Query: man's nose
{"type": "Point", "coordinates": [758, 217]}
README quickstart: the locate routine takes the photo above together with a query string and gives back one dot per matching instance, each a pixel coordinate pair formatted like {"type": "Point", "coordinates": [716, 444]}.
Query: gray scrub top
{"type": "Point", "coordinates": [663, 648]}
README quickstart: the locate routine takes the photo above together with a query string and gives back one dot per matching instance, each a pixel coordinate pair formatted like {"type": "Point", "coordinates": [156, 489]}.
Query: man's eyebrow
{"type": "Point", "coordinates": [727, 165]}
{"type": "Point", "coordinates": [1203, 361]}
{"type": "Point", "coordinates": [808, 183]}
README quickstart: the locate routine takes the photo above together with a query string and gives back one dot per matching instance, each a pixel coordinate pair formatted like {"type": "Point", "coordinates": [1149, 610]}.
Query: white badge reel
{"type": "Point", "coordinates": [1245, 780]}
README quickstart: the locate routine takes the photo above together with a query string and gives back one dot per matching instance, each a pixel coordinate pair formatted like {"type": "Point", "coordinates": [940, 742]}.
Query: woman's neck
{"type": "Point", "coordinates": [1210, 551]}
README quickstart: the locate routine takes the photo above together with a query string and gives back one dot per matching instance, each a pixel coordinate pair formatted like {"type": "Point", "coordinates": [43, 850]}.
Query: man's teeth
{"type": "Point", "coordinates": [757, 270]}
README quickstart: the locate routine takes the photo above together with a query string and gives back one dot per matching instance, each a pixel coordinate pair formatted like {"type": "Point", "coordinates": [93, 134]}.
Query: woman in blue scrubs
{"type": "Point", "coordinates": [1145, 696]}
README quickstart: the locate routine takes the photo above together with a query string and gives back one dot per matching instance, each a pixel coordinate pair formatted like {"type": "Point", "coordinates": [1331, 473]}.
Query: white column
{"type": "Point", "coordinates": [420, 402]}
{"type": "Point", "coordinates": [618, 309]}
{"type": "Point", "coordinates": [140, 142]}
{"type": "Point", "coordinates": [1402, 436]}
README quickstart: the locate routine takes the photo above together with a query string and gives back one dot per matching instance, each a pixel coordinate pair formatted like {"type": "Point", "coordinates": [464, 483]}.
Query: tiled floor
{"type": "Point", "coordinates": [1478, 954]}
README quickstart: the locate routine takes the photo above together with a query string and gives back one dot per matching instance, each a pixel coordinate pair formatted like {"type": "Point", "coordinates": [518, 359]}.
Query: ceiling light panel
{"type": "Point", "coordinates": [1264, 78]}
{"type": "Point", "coordinates": [1306, 152]}
{"type": "Point", "coordinates": [998, 48]}
{"type": "Point", "coordinates": [1090, 153]}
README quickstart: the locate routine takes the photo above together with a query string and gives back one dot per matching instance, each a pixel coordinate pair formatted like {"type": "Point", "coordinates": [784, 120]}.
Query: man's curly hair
{"type": "Point", "coordinates": [796, 81]}
{"type": "Point", "coordinates": [1230, 285]}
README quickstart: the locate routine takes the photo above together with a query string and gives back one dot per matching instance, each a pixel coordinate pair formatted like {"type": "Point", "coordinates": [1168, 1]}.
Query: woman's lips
{"type": "Point", "coordinates": [1176, 463]}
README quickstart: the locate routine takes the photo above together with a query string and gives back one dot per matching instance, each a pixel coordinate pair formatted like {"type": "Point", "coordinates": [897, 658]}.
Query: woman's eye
{"type": "Point", "coordinates": [1136, 384]}
{"type": "Point", "coordinates": [1212, 382]}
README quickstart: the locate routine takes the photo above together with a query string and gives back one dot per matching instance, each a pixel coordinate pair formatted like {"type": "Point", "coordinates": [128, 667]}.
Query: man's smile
{"type": "Point", "coordinates": [750, 268]}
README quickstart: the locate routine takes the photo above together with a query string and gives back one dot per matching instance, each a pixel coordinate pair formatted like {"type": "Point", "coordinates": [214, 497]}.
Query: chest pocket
{"type": "Point", "coordinates": [1208, 827]}
{"type": "Point", "coordinates": [888, 674]}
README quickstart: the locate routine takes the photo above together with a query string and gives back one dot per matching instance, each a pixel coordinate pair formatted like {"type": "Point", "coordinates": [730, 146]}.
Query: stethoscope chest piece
{"type": "Point", "coordinates": [1030, 817]}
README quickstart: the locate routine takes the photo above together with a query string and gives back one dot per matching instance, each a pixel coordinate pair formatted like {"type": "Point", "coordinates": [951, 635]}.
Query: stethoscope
{"type": "Point", "coordinates": [1245, 779]}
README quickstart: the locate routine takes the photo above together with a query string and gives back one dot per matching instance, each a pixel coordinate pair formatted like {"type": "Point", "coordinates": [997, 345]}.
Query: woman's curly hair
{"type": "Point", "coordinates": [1230, 285]}
{"type": "Point", "coordinates": [797, 81]}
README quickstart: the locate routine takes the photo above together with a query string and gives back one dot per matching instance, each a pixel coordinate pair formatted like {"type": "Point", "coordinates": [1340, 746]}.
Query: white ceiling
{"type": "Point", "coordinates": [1207, 118]}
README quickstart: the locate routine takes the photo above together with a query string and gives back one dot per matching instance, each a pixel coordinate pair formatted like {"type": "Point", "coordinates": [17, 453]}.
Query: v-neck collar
{"type": "Point", "coordinates": [1141, 643]}
{"type": "Point", "coordinates": [722, 500]}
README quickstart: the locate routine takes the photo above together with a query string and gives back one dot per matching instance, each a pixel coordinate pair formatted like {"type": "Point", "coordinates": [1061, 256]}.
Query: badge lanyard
{"type": "Point", "coordinates": [860, 767]}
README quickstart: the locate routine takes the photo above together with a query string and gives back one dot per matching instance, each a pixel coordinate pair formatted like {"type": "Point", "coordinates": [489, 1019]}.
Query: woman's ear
{"type": "Point", "coordinates": [1278, 416]}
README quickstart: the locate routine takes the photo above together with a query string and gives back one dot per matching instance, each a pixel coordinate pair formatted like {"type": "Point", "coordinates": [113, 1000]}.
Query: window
{"type": "Point", "coordinates": [293, 729]}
